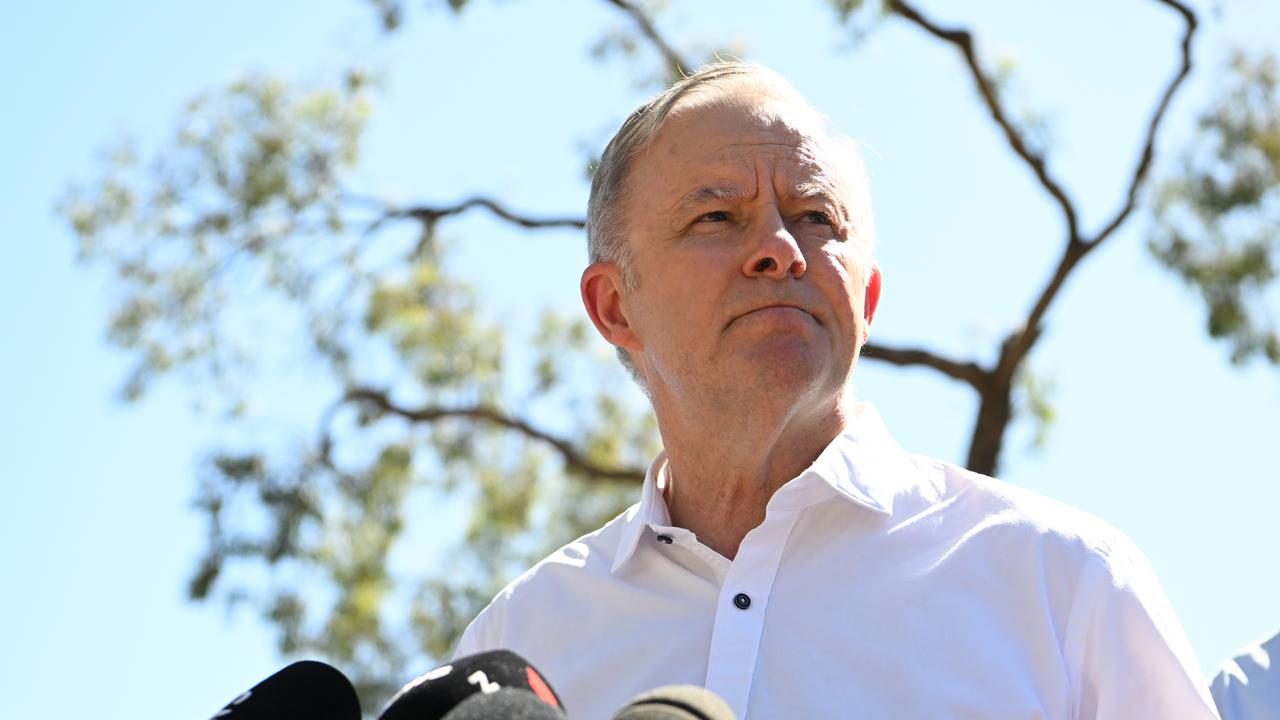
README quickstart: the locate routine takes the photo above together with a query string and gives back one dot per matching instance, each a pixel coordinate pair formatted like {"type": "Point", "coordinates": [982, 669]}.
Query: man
{"type": "Point", "coordinates": [785, 552]}
{"type": "Point", "coordinates": [1247, 687]}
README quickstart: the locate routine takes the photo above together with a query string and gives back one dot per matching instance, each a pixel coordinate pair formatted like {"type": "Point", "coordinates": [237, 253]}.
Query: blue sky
{"type": "Point", "coordinates": [1158, 434]}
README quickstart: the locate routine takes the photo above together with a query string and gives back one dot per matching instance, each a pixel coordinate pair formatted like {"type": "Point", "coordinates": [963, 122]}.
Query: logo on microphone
{"type": "Point", "coordinates": [480, 679]}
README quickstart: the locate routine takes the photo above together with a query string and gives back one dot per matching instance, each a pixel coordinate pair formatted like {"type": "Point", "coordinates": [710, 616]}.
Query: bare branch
{"type": "Point", "coordinates": [1148, 146]}
{"type": "Point", "coordinates": [969, 372]}
{"type": "Point", "coordinates": [963, 41]}
{"type": "Point", "coordinates": [574, 459]}
{"type": "Point", "coordinates": [1018, 346]}
{"type": "Point", "coordinates": [647, 28]}
{"type": "Point", "coordinates": [430, 214]}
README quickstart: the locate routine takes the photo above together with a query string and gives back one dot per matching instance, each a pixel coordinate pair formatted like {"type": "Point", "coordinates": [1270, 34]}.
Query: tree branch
{"type": "Point", "coordinates": [1020, 343]}
{"type": "Point", "coordinates": [995, 408]}
{"type": "Point", "coordinates": [969, 372]}
{"type": "Point", "coordinates": [430, 214]}
{"type": "Point", "coordinates": [963, 41]}
{"type": "Point", "coordinates": [673, 59]}
{"type": "Point", "coordinates": [574, 459]}
{"type": "Point", "coordinates": [1148, 146]}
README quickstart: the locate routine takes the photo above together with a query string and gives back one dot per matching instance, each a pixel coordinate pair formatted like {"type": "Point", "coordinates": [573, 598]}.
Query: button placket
{"type": "Point", "coordinates": [744, 597]}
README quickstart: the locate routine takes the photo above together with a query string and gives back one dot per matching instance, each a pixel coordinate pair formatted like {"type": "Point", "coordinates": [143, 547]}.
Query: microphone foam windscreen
{"type": "Point", "coordinates": [434, 694]}
{"type": "Point", "coordinates": [306, 690]}
{"type": "Point", "coordinates": [676, 702]}
{"type": "Point", "coordinates": [505, 704]}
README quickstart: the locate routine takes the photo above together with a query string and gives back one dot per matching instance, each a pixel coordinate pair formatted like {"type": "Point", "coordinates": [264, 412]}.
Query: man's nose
{"type": "Point", "coordinates": [776, 254]}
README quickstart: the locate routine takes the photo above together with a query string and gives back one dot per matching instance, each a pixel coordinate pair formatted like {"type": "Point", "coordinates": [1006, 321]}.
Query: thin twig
{"type": "Point", "coordinates": [1148, 146]}
{"type": "Point", "coordinates": [966, 372]}
{"type": "Point", "coordinates": [647, 28]}
{"type": "Point", "coordinates": [963, 41]}
{"type": "Point", "coordinates": [429, 214]}
{"type": "Point", "coordinates": [1019, 345]}
{"type": "Point", "coordinates": [574, 459]}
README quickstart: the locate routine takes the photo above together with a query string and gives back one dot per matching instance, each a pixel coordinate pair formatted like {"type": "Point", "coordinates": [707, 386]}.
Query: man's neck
{"type": "Point", "coordinates": [723, 470]}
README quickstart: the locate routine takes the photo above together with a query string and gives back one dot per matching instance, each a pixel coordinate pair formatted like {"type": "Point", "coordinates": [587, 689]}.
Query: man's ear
{"type": "Point", "coordinates": [871, 299]}
{"type": "Point", "coordinates": [602, 294]}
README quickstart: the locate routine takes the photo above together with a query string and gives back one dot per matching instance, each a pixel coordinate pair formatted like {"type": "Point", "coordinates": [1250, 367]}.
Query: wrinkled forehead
{"type": "Point", "coordinates": [725, 134]}
{"type": "Point", "coordinates": [757, 112]}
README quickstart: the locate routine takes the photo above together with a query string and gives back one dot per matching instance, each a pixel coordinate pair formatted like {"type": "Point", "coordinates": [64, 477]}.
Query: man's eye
{"type": "Point", "coordinates": [819, 217]}
{"type": "Point", "coordinates": [714, 216]}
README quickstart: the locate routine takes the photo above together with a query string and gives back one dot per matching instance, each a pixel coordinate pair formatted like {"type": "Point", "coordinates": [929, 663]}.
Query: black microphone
{"type": "Point", "coordinates": [676, 702]}
{"type": "Point", "coordinates": [306, 690]}
{"type": "Point", "coordinates": [435, 694]}
{"type": "Point", "coordinates": [505, 704]}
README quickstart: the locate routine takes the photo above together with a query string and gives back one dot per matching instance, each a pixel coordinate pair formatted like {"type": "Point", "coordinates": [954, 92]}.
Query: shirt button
{"type": "Point", "coordinates": [664, 539]}
{"type": "Point", "coordinates": [742, 601]}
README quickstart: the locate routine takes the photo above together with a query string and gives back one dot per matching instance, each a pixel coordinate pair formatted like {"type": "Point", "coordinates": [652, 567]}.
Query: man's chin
{"type": "Point", "coordinates": [783, 362]}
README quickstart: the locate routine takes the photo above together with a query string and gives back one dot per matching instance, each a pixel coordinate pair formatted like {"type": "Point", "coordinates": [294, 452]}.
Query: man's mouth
{"type": "Point", "coordinates": [780, 310]}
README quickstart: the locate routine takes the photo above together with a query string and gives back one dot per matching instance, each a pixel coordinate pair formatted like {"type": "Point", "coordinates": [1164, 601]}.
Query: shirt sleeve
{"type": "Point", "coordinates": [1130, 656]}
{"type": "Point", "coordinates": [1248, 687]}
{"type": "Point", "coordinates": [481, 635]}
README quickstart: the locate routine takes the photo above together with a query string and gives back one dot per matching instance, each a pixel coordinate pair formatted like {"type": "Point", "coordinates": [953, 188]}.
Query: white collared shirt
{"type": "Point", "coordinates": [1248, 685]}
{"type": "Point", "coordinates": [880, 585]}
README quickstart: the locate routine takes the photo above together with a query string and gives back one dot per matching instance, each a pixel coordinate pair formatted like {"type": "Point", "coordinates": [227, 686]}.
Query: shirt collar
{"type": "Point", "coordinates": [651, 511]}
{"type": "Point", "coordinates": [863, 465]}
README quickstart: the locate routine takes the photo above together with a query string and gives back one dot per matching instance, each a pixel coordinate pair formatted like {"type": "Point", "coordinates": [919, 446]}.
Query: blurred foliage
{"type": "Point", "coordinates": [860, 18]}
{"type": "Point", "coordinates": [1218, 216]}
{"type": "Point", "coordinates": [1035, 127]}
{"type": "Point", "coordinates": [1033, 400]}
{"type": "Point", "coordinates": [391, 12]}
{"type": "Point", "coordinates": [243, 192]}
{"type": "Point", "coordinates": [240, 233]}
{"type": "Point", "coordinates": [243, 214]}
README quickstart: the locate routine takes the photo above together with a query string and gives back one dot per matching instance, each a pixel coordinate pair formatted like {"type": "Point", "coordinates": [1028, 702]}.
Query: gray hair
{"type": "Point", "coordinates": [606, 238]}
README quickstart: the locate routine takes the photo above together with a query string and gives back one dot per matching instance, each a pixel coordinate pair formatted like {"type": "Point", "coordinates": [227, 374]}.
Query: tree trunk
{"type": "Point", "coordinates": [994, 413]}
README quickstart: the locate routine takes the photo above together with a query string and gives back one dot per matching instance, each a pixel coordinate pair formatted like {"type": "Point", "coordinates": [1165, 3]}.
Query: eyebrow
{"type": "Point", "coordinates": [728, 193]}
{"type": "Point", "coordinates": [711, 193]}
{"type": "Point", "coordinates": [812, 189]}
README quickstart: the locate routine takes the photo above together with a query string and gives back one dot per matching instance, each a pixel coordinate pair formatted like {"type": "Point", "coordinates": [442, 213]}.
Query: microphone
{"type": "Point", "coordinates": [436, 693]}
{"type": "Point", "coordinates": [676, 702]}
{"type": "Point", "coordinates": [505, 704]}
{"type": "Point", "coordinates": [306, 690]}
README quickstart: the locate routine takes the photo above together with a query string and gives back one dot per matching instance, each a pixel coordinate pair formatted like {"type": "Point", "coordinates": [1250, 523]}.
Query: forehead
{"type": "Point", "coordinates": [728, 142]}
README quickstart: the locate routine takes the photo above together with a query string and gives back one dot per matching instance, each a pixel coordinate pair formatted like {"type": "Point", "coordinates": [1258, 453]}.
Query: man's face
{"type": "Point", "coordinates": [746, 276]}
